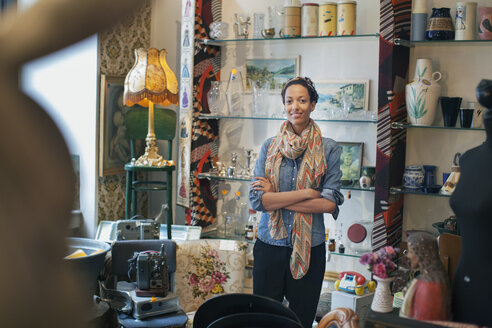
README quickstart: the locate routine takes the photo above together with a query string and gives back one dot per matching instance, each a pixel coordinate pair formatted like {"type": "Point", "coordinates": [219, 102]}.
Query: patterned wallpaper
{"type": "Point", "coordinates": [116, 58]}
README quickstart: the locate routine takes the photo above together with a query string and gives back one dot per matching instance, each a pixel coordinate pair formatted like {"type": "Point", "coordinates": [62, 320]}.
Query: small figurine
{"type": "Point", "coordinates": [241, 26]}
{"type": "Point", "coordinates": [427, 297]}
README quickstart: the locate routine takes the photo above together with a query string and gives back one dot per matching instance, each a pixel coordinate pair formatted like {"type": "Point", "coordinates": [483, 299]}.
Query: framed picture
{"type": "Point", "coordinates": [114, 147]}
{"type": "Point", "coordinates": [275, 71]}
{"type": "Point", "coordinates": [343, 94]}
{"type": "Point", "coordinates": [351, 161]}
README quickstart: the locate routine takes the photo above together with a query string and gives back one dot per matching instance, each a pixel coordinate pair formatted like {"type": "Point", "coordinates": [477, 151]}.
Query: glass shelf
{"type": "Point", "coordinates": [215, 176]}
{"type": "Point", "coordinates": [217, 117]}
{"type": "Point", "coordinates": [346, 255]}
{"type": "Point", "coordinates": [411, 44]}
{"type": "Point", "coordinates": [403, 190]}
{"type": "Point", "coordinates": [396, 125]}
{"type": "Point", "coordinates": [324, 38]}
{"type": "Point", "coordinates": [214, 235]}
{"type": "Point", "coordinates": [210, 176]}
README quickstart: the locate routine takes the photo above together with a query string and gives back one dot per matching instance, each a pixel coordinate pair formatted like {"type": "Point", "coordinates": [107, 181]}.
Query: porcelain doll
{"type": "Point", "coordinates": [427, 297]}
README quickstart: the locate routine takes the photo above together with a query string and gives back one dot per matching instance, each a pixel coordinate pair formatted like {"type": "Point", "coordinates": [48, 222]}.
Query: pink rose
{"type": "Point", "coordinates": [219, 277]}
{"type": "Point", "coordinates": [379, 270]}
{"type": "Point", "coordinates": [206, 284]}
{"type": "Point", "coordinates": [212, 253]}
{"type": "Point", "coordinates": [389, 250]}
{"type": "Point", "coordinates": [193, 279]}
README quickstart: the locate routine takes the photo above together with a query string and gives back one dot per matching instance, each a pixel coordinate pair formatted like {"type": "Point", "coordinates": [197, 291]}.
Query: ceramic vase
{"type": "Point", "coordinates": [450, 109]}
{"type": "Point", "coordinates": [440, 25]}
{"type": "Point", "coordinates": [383, 300]}
{"type": "Point", "coordinates": [485, 26]}
{"type": "Point", "coordinates": [422, 94]}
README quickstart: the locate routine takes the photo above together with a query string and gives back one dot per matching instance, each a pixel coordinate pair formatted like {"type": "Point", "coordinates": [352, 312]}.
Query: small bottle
{"type": "Point", "coordinates": [240, 215]}
{"type": "Point", "coordinates": [331, 245]}
{"type": "Point", "coordinates": [251, 225]}
{"type": "Point", "coordinates": [341, 249]}
{"type": "Point", "coordinates": [234, 93]}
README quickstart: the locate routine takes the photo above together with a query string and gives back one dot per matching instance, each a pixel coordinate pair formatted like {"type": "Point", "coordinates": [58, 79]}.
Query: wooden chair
{"type": "Point", "coordinates": [340, 318]}
{"type": "Point", "coordinates": [450, 252]}
{"type": "Point", "coordinates": [136, 129]}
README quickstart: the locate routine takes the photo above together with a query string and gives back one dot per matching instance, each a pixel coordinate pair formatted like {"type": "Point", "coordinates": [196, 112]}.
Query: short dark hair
{"type": "Point", "coordinates": [305, 82]}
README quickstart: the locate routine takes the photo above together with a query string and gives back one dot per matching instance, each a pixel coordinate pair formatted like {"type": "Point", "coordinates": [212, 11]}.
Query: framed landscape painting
{"type": "Point", "coordinates": [339, 94]}
{"type": "Point", "coordinates": [274, 71]}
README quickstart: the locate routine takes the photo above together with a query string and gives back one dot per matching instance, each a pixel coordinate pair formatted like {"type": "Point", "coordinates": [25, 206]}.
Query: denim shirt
{"type": "Point", "coordinates": [329, 188]}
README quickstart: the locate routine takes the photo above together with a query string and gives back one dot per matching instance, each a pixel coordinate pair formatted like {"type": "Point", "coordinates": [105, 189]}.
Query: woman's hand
{"type": "Point", "coordinates": [312, 193]}
{"type": "Point", "coordinates": [262, 184]}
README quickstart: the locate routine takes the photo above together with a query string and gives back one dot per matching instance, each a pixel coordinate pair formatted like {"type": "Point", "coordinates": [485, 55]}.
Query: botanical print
{"type": "Point", "coordinates": [210, 274]}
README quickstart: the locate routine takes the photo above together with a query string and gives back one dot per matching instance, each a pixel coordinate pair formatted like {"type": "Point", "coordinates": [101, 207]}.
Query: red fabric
{"type": "Point", "coordinates": [430, 301]}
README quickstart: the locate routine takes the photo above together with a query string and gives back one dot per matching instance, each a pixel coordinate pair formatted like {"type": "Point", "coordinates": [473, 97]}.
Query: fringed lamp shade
{"type": "Point", "coordinates": [149, 82]}
{"type": "Point", "coordinates": [151, 79]}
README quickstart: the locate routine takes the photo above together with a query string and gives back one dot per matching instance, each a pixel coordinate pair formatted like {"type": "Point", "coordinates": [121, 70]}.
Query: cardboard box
{"type": "Point", "coordinates": [360, 304]}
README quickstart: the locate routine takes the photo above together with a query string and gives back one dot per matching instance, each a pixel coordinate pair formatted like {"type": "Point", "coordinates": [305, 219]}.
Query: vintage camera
{"type": "Point", "coordinates": [135, 229]}
{"type": "Point", "coordinates": [152, 273]}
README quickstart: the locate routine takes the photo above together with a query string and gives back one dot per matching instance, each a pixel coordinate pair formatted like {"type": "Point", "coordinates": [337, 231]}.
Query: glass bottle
{"type": "Point", "coordinates": [234, 93]}
{"type": "Point", "coordinates": [215, 101]}
{"type": "Point", "coordinates": [341, 249]}
{"type": "Point", "coordinates": [251, 226]}
{"type": "Point", "coordinates": [331, 245]}
{"type": "Point", "coordinates": [240, 215]}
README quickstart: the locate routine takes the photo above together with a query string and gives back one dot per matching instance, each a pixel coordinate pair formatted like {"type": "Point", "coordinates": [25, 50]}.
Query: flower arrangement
{"type": "Point", "coordinates": [210, 273]}
{"type": "Point", "coordinates": [381, 262]}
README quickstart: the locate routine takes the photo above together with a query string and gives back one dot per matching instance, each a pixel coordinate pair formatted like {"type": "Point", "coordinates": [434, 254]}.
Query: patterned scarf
{"type": "Point", "coordinates": [313, 167]}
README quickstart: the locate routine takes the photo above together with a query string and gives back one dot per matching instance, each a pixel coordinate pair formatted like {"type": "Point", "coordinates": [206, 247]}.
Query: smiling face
{"type": "Point", "coordinates": [298, 107]}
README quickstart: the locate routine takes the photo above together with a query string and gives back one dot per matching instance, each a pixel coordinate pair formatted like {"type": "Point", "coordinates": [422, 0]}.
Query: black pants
{"type": "Point", "coordinates": [272, 278]}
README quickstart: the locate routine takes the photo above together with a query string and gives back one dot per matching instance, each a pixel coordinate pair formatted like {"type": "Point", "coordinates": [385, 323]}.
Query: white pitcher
{"type": "Point", "coordinates": [422, 94]}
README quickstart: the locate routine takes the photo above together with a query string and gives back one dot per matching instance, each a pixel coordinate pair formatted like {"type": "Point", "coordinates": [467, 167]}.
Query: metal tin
{"type": "Point", "coordinates": [309, 19]}
{"type": "Point", "coordinates": [292, 21]}
{"type": "Point", "coordinates": [346, 11]}
{"type": "Point", "coordinates": [327, 19]}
